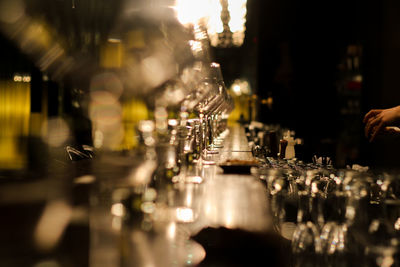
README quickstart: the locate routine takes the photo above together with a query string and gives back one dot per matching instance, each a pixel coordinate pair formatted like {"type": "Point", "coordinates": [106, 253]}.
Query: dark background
{"type": "Point", "coordinates": [293, 52]}
{"type": "Point", "coordinates": [301, 47]}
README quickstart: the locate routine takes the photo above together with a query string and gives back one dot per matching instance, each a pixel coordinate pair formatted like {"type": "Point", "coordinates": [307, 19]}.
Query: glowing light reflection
{"type": "Point", "coordinates": [56, 132]}
{"type": "Point", "coordinates": [397, 224]}
{"type": "Point", "coordinates": [118, 209]}
{"type": "Point", "coordinates": [191, 11]}
{"type": "Point", "coordinates": [154, 71]}
{"type": "Point", "coordinates": [24, 78]}
{"type": "Point", "coordinates": [171, 230]}
{"type": "Point", "coordinates": [194, 179]}
{"type": "Point", "coordinates": [240, 87]}
{"type": "Point", "coordinates": [184, 215]}
{"type": "Point", "coordinates": [210, 13]}
{"type": "Point", "coordinates": [116, 224]}
{"type": "Point", "coordinates": [52, 224]}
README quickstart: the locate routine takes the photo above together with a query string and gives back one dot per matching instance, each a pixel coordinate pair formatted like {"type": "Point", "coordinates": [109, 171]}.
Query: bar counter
{"type": "Point", "coordinates": [221, 221]}
{"type": "Point", "coordinates": [75, 215]}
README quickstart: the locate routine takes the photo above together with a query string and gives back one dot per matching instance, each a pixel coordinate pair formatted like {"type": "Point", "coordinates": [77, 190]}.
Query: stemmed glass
{"type": "Point", "coordinates": [382, 242]}
{"type": "Point", "coordinates": [306, 245]}
{"type": "Point", "coordinates": [216, 77]}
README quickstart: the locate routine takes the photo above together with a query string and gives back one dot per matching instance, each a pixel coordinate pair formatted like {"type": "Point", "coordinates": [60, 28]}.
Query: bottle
{"type": "Point", "coordinates": [289, 151]}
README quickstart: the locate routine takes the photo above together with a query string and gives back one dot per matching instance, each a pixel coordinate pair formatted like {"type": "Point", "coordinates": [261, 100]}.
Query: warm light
{"type": "Point", "coordinates": [229, 219]}
{"type": "Point", "coordinates": [173, 122]}
{"type": "Point", "coordinates": [146, 126]}
{"type": "Point", "coordinates": [153, 70]}
{"type": "Point", "coordinates": [118, 210]}
{"type": "Point", "coordinates": [98, 139]}
{"type": "Point", "coordinates": [116, 223]}
{"type": "Point", "coordinates": [397, 224]}
{"type": "Point", "coordinates": [209, 12]}
{"type": "Point", "coordinates": [142, 174]}
{"type": "Point", "coordinates": [191, 11]}
{"type": "Point", "coordinates": [184, 215]}
{"type": "Point", "coordinates": [26, 79]}
{"type": "Point", "coordinates": [148, 207]}
{"type": "Point", "coordinates": [161, 115]}
{"type": "Point", "coordinates": [105, 110]}
{"type": "Point", "coordinates": [114, 40]}
{"type": "Point", "coordinates": [240, 87]}
{"type": "Point", "coordinates": [17, 78]}
{"type": "Point", "coordinates": [358, 78]}
{"type": "Point", "coordinates": [236, 89]}
{"type": "Point", "coordinates": [314, 188]}
{"type": "Point", "coordinates": [189, 199]}
{"type": "Point", "coordinates": [193, 179]}
{"type": "Point", "coordinates": [85, 179]}
{"type": "Point", "coordinates": [52, 224]}
{"type": "Point", "coordinates": [214, 22]}
{"type": "Point", "coordinates": [171, 230]}
{"type": "Point", "coordinates": [237, 10]}
{"type": "Point", "coordinates": [195, 46]}
{"type": "Point", "coordinates": [56, 132]}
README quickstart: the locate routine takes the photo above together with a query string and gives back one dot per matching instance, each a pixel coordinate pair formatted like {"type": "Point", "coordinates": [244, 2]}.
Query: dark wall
{"type": "Point", "coordinates": [381, 76]}
{"type": "Point", "coordinates": [300, 47]}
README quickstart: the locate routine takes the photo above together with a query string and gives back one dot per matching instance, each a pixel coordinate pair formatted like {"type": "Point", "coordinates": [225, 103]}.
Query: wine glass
{"type": "Point", "coordinates": [306, 245]}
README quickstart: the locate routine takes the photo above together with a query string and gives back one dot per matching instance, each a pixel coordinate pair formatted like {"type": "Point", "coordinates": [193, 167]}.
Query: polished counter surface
{"type": "Point", "coordinates": [220, 220]}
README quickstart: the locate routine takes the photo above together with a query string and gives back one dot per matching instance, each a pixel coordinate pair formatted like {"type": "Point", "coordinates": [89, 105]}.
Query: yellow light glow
{"type": "Point", "coordinates": [26, 79]}
{"type": "Point", "coordinates": [135, 39]}
{"type": "Point", "coordinates": [191, 11]}
{"type": "Point", "coordinates": [133, 111]}
{"type": "Point", "coordinates": [208, 13]}
{"type": "Point", "coordinates": [111, 54]}
{"type": "Point", "coordinates": [236, 89]}
{"type": "Point", "coordinates": [240, 87]}
{"type": "Point", "coordinates": [14, 120]}
{"type": "Point", "coordinates": [17, 78]}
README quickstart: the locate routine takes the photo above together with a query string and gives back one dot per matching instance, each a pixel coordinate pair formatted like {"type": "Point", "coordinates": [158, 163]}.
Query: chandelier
{"type": "Point", "coordinates": [224, 19]}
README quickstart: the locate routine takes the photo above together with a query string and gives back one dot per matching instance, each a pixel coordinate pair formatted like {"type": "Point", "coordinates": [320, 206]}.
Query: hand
{"type": "Point", "coordinates": [377, 120]}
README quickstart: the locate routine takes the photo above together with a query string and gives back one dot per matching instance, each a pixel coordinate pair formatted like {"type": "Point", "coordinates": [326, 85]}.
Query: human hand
{"type": "Point", "coordinates": [377, 121]}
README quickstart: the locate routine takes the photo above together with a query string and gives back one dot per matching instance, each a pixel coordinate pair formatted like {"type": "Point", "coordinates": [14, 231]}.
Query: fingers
{"type": "Point", "coordinates": [375, 131]}
{"type": "Point", "coordinates": [370, 126]}
{"type": "Point", "coordinates": [372, 113]}
{"type": "Point", "coordinates": [391, 129]}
